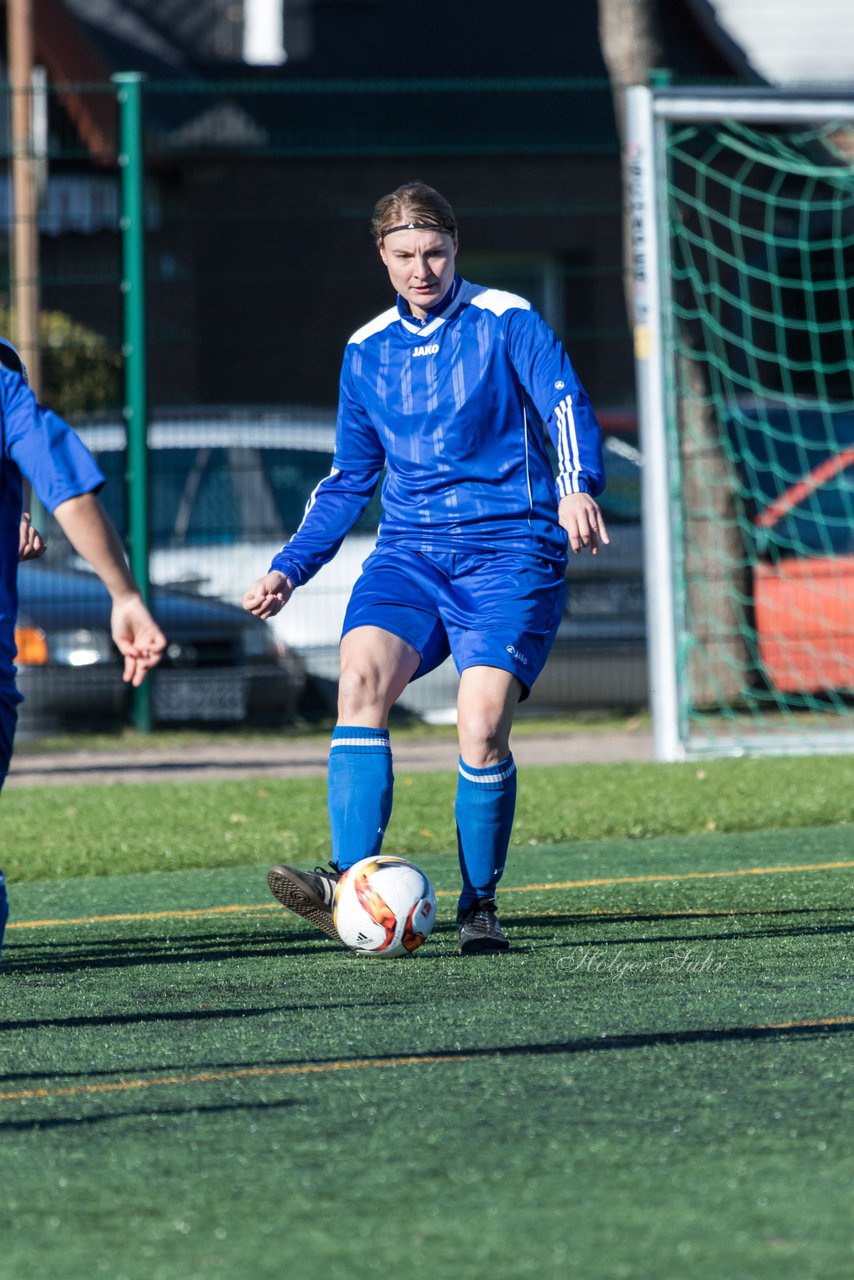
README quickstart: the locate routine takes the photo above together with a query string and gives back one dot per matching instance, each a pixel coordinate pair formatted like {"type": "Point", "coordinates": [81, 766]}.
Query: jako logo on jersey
{"type": "Point", "coordinates": [514, 653]}
{"type": "Point", "coordinates": [431, 350]}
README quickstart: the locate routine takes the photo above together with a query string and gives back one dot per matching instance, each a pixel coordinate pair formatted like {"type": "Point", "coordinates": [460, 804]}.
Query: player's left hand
{"type": "Point", "coordinates": [31, 544]}
{"type": "Point", "coordinates": [138, 639]}
{"type": "Point", "coordinates": [579, 514]}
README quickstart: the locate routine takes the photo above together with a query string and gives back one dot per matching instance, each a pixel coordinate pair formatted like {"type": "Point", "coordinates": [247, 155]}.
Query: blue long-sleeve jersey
{"type": "Point", "coordinates": [454, 408]}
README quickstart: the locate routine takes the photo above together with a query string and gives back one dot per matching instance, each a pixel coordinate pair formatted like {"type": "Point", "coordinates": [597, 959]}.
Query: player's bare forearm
{"type": "Point", "coordinates": [135, 633]}
{"type": "Point", "coordinates": [579, 514]}
{"type": "Point", "coordinates": [268, 595]}
{"type": "Point", "coordinates": [92, 535]}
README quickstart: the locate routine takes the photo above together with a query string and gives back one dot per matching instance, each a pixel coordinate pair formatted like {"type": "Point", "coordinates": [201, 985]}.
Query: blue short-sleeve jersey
{"type": "Point", "coordinates": [36, 443]}
{"type": "Point", "coordinates": [455, 409]}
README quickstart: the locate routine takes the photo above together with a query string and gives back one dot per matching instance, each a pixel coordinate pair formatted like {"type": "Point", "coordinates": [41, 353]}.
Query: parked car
{"type": "Point", "coordinates": [231, 488]}
{"type": "Point", "coordinates": [801, 464]}
{"type": "Point", "coordinates": [221, 665]}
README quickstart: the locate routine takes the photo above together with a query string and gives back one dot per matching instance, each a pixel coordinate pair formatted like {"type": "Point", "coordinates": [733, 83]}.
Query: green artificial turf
{"type": "Point", "coordinates": [654, 1083]}
{"type": "Point", "coordinates": [66, 831]}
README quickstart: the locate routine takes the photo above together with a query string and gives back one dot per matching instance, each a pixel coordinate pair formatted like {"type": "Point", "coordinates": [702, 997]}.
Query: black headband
{"type": "Point", "coordinates": [419, 226]}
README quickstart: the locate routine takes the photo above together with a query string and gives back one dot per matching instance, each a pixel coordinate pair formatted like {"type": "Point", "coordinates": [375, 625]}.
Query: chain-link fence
{"type": "Point", "coordinates": [258, 266]}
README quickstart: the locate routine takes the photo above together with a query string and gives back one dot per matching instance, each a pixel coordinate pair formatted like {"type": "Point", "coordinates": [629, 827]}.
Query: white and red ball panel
{"type": "Point", "coordinates": [384, 906]}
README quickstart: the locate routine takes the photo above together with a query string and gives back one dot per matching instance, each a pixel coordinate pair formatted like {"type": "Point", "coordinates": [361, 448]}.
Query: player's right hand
{"type": "Point", "coordinates": [266, 597]}
{"type": "Point", "coordinates": [579, 514]}
{"type": "Point", "coordinates": [31, 544]}
{"type": "Point", "coordinates": [137, 637]}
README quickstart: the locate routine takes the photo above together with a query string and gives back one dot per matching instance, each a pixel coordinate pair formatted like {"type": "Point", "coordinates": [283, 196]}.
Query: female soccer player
{"type": "Point", "coordinates": [37, 445]}
{"type": "Point", "coordinates": [448, 391]}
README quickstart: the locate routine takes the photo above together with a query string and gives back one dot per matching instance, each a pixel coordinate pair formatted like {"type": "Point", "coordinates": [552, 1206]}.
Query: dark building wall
{"type": "Point", "coordinates": [279, 264]}
{"type": "Point", "coordinates": [261, 266]}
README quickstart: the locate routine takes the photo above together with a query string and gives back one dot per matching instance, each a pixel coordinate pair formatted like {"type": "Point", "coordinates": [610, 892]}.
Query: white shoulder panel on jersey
{"type": "Point", "coordinates": [376, 325]}
{"type": "Point", "coordinates": [497, 301]}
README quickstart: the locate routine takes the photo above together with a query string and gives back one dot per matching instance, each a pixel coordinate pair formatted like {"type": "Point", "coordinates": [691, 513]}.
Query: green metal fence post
{"type": "Point", "coordinates": [131, 162]}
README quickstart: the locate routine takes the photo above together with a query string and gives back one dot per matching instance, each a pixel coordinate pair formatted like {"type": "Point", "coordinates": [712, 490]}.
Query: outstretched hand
{"type": "Point", "coordinates": [138, 639]}
{"type": "Point", "coordinates": [31, 544]}
{"type": "Point", "coordinates": [579, 514]}
{"type": "Point", "coordinates": [268, 595]}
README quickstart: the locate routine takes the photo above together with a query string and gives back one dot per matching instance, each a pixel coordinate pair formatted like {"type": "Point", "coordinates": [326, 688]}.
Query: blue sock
{"type": "Point", "coordinates": [486, 803]}
{"type": "Point", "coordinates": [4, 913]}
{"type": "Point", "coordinates": [361, 784]}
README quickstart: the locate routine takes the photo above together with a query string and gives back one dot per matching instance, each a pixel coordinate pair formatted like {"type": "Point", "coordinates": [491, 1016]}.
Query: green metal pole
{"type": "Point", "coordinates": [131, 163]}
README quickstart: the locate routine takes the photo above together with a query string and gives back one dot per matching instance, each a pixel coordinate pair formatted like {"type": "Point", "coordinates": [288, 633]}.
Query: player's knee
{"type": "Point", "coordinates": [483, 741]}
{"type": "Point", "coordinates": [359, 690]}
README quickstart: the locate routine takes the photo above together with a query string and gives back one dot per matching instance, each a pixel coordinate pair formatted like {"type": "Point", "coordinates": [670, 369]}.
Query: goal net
{"type": "Point", "coordinates": [742, 217]}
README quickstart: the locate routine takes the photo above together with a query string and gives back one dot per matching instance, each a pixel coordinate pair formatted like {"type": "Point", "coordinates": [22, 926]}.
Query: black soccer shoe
{"type": "Point", "coordinates": [479, 930]}
{"type": "Point", "coordinates": [309, 893]}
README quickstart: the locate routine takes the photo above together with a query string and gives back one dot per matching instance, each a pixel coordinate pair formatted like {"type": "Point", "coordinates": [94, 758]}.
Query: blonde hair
{"type": "Point", "coordinates": [412, 205]}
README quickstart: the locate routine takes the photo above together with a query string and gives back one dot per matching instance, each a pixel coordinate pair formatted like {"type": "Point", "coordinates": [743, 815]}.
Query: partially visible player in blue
{"type": "Point", "coordinates": [449, 392]}
{"type": "Point", "coordinates": [37, 447]}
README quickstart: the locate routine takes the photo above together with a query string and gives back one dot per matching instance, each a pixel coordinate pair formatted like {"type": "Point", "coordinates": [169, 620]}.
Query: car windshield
{"type": "Point", "coordinates": [225, 495]}
{"type": "Point", "coordinates": [798, 481]}
{"type": "Point", "coordinates": [821, 523]}
{"type": "Point", "coordinates": [797, 461]}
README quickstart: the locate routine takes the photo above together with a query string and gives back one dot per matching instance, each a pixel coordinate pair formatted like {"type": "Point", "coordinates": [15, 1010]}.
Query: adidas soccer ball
{"type": "Point", "coordinates": [384, 907]}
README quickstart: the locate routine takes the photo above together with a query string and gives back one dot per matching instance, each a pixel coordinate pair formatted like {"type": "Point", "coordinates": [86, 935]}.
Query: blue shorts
{"type": "Point", "coordinates": [489, 609]}
{"type": "Point", "coordinates": [8, 720]}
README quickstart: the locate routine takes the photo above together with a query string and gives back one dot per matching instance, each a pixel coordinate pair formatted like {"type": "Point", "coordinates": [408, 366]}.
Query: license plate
{"type": "Point", "coordinates": [199, 695]}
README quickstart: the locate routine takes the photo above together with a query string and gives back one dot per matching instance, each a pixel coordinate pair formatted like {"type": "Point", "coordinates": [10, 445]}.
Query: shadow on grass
{"type": "Point", "coordinates": [55, 956]}
{"type": "Point", "coordinates": [148, 1113]}
{"type": "Point", "coordinates": [739, 933]}
{"type": "Point", "coordinates": [59, 957]}
{"type": "Point", "coordinates": [185, 1015]}
{"type": "Point", "coordinates": [51, 955]}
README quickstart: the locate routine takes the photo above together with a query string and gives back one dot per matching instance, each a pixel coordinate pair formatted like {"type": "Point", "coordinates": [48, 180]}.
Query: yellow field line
{"type": "Point", "coordinates": [238, 1073]}
{"type": "Point", "coordinates": [185, 914]}
{"type": "Point", "coordinates": [354, 1064]}
{"type": "Point", "coordinates": [189, 913]}
{"type": "Point", "coordinates": [845, 1021]}
{"type": "Point", "coordinates": [680, 875]}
